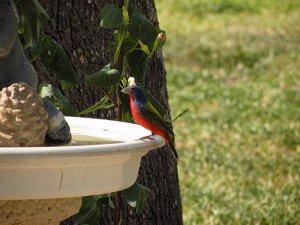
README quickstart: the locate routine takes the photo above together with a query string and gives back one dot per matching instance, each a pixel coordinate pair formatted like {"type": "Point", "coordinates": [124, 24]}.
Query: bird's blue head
{"type": "Point", "coordinates": [135, 92]}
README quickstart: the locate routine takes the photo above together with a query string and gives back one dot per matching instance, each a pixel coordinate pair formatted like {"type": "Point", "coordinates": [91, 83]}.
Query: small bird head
{"type": "Point", "coordinates": [135, 92]}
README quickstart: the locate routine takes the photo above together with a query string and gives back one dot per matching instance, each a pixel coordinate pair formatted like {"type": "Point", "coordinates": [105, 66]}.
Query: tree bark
{"type": "Point", "coordinates": [75, 24]}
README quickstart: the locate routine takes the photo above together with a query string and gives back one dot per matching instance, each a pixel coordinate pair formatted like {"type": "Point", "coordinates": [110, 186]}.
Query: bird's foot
{"type": "Point", "coordinates": [148, 137]}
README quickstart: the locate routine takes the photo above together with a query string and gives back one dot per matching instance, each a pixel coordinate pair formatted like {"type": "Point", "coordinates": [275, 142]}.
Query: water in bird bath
{"type": "Point", "coordinates": [81, 140]}
{"type": "Point", "coordinates": [78, 140]}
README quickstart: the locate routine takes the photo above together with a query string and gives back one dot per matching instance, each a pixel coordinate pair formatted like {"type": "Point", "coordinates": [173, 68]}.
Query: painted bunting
{"type": "Point", "coordinates": [147, 116]}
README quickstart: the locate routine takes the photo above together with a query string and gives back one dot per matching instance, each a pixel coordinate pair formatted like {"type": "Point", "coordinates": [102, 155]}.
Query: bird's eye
{"type": "Point", "coordinates": [132, 89]}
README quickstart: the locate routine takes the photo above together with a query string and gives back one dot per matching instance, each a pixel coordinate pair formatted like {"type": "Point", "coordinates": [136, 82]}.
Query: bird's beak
{"type": "Point", "coordinates": [125, 90]}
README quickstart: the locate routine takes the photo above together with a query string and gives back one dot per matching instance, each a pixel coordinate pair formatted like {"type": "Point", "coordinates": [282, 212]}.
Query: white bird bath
{"type": "Point", "coordinates": [44, 185]}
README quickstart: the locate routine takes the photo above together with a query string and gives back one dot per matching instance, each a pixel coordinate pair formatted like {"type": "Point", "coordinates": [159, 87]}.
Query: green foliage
{"type": "Point", "coordinates": [105, 77]}
{"type": "Point", "coordinates": [239, 76]}
{"type": "Point", "coordinates": [144, 48]}
{"type": "Point", "coordinates": [111, 16]}
{"type": "Point", "coordinates": [89, 212]}
{"type": "Point", "coordinates": [54, 58]}
{"type": "Point", "coordinates": [128, 45]}
{"type": "Point", "coordinates": [136, 196]}
{"type": "Point", "coordinates": [137, 62]}
{"type": "Point", "coordinates": [103, 103]}
{"type": "Point", "coordinates": [30, 23]}
{"type": "Point", "coordinates": [135, 37]}
{"type": "Point", "coordinates": [91, 207]}
{"type": "Point", "coordinates": [141, 29]}
{"type": "Point", "coordinates": [51, 53]}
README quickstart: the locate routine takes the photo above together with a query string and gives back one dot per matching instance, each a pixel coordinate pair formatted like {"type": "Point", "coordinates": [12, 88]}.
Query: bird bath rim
{"type": "Point", "coordinates": [128, 142]}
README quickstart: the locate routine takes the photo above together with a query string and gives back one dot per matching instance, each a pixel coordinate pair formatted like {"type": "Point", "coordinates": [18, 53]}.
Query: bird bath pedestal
{"type": "Point", "coordinates": [44, 185]}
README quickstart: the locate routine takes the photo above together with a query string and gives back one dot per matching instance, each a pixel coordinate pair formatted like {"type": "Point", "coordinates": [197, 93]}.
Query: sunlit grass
{"type": "Point", "coordinates": [235, 65]}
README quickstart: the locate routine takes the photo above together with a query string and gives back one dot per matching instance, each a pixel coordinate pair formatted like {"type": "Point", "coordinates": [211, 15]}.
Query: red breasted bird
{"type": "Point", "coordinates": [147, 116]}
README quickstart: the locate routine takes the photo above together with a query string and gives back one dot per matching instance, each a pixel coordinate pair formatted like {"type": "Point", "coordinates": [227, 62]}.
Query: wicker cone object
{"type": "Point", "coordinates": [23, 119]}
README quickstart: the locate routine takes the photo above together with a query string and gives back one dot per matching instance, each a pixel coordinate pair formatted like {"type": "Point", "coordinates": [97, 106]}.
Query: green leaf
{"type": "Point", "coordinates": [89, 212]}
{"type": "Point", "coordinates": [124, 82]}
{"type": "Point", "coordinates": [137, 62]}
{"type": "Point", "coordinates": [128, 45]}
{"type": "Point", "coordinates": [126, 3]}
{"type": "Point", "coordinates": [136, 196]}
{"type": "Point", "coordinates": [125, 14]}
{"type": "Point", "coordinates": [104, 78]}
{"type": "Point", "coordinates": [141, 29]}
{"type": "Point", "coordinates": [54, 57]}
{"type": "Point", "coordinates": [106, 201]}
{"type": "Point", "coordinates": [121, 218]}
{"type": "Point", "coordinates": [101, 104]}
{"type": "Point", "coordinates": [30, 24]}
{"type": "Point", "coordinates": [144, 48]}
{"type": "Point", "coordinates": [55, 96]}
{"type": "Point", "coordinates": [111, 16]}
{"type": "Point", "coordinates": [39, 9]}
{"type": "Point", "coordinates": [180, 114]}
{"type": "Point", "coordinates": [30, 21]}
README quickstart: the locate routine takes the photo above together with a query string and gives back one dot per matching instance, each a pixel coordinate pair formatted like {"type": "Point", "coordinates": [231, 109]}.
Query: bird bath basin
{"type": "Point", "coordinates": [75, 170]}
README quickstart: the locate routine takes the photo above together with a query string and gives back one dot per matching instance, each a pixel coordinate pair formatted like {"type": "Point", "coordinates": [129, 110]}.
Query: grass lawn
{"type": "Point", "coordinates": [236, 65]}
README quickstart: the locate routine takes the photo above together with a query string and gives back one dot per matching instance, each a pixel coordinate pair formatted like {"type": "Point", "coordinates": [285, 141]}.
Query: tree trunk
{"type": "Point", "coordinates": [75, 24]}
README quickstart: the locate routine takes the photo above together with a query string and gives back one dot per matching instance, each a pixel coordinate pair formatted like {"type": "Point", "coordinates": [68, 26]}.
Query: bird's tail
{"type": "Point", "coordinates": [172, 146]}
{"type": "Point", "coordinates": [169, 139]}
